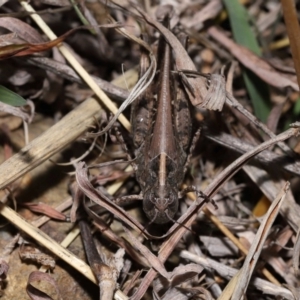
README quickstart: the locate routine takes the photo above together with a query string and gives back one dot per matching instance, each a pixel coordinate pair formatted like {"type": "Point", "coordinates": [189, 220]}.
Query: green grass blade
{"type": "Point", "coordinates": [243, 35]}
{"type": "Point", "coordinates": [9, 97]}
{"type": "Point", "coordinates": [82, 18]}
{"type": "Point", "coordinates": [296, 109]}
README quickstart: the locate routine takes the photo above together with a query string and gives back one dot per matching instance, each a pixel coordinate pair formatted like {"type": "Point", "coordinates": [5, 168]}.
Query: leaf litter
{"type": "Point", "coordinates": [176, 258]}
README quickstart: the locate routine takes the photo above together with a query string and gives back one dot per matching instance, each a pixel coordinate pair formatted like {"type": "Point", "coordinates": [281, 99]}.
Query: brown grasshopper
{"type": "Point", "coordinates": [162, 133]}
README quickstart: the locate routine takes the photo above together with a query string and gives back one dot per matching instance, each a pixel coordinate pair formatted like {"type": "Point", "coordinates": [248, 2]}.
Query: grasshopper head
{"type": "Point", "coordinates": [160, 204]}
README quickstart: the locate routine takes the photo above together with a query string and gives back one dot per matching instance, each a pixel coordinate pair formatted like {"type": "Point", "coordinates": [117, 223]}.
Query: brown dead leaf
{"type": "Point", "coordinates": [21, 29]}
{"type": "Point", "coordinates": [46, 210]}
{"type": "Point", "coordinates": [28, 48]}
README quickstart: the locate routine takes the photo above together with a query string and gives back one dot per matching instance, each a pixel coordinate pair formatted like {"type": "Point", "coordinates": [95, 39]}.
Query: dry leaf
{"type": "Point", "coordinates": [45, 209]}
{"type": "Point", "coordinates": [36, 294]}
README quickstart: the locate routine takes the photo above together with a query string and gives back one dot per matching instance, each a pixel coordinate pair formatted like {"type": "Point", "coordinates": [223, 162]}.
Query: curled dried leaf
{"type": "Point", "coordinates": [18, 111]}
{"type": "Point", "coordinates": [36, 294]}
{"type": "Point", "coordinates": [216, 95]}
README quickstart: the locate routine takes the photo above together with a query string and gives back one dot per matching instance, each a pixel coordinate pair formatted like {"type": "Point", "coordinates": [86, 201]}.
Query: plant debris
{"type": "Point", "coordinates": [73, 221]}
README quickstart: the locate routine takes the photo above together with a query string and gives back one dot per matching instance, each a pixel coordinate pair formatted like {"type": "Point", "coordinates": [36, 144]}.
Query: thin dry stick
{"type": "Point", "coordinates": [72, 235]}
{"type": "Point", "coordinates": [75, 64]}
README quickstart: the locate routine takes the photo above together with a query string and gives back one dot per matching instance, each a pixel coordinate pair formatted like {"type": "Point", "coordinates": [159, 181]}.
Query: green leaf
{"type": "Point", "coordinates": [243, 35]}
{"type": "Point", "coordinates": [9, 97]}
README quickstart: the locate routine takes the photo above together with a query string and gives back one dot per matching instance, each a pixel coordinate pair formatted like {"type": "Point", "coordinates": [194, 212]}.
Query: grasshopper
{"type": "Point", "coordinates": [162, 134]}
